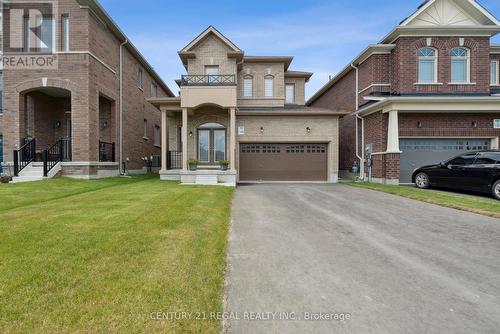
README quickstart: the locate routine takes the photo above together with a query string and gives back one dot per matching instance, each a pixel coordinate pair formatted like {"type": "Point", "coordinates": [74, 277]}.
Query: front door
{"type": "Point", "coordinates": [211, 145]}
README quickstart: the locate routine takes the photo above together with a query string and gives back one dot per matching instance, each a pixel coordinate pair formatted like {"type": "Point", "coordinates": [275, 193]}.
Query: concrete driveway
{"type": "Point", "coordinates": [390, 264]}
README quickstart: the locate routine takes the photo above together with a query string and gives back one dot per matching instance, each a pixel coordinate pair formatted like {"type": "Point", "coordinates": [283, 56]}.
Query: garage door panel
{"type": "Point", "coordinates": [283, 162]}
{"type": "Point", "coordinates": [418, 152]}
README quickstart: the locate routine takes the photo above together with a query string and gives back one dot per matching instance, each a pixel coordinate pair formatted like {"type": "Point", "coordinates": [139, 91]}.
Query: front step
{"type": "Point", "coordinates": [207, 180]}
{"type": "Point", "coordinates": [34, 172]}
{"type": "Point", "coordinates": [20, 179]}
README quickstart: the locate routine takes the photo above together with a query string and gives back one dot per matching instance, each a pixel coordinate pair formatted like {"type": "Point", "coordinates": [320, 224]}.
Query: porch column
{"type": "Point", "coordinates": [393, 133]}
{"type": "Point", "coordinates": [232, 139]}
{"type": "Point", "coordinates": [164, 139]}
{"type": "Point", "coordinates": [184, 138]}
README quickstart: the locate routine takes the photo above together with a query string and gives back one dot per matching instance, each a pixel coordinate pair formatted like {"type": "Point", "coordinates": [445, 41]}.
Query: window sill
{"type": "Point", "coordinates": [145, 138]}
{"type": "Point", "coordinates": [157, 145]}
{"type": "Point", "coordinates": [141, 89]}
{"type": "Point", "coordinates": [461, 83]}
{"type": "Point", "coordinates": [428, 83]}
{"type": "Point", "coordinates": [491, 85]}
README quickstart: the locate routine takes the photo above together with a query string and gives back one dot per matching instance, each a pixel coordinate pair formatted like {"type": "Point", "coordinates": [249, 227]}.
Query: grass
{"type": "Point", "coordinates": [101, 256]}
{"type": "Point", "coordinates": [481, 205]}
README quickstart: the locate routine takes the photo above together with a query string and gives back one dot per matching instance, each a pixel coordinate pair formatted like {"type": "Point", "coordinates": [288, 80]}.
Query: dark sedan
{"type": "Point", "coordinates": [474, 171]}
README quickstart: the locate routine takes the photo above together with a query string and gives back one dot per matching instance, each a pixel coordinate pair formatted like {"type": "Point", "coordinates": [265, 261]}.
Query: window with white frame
{"type": "Point", "coordinates": [154, 90]}
{"type": "Point", "coordinates": [494, 72]}
{"type": "Point", "coordinates": [45, 34]}
{"type": "Point", "coordinates": [269, 86]}
{"type": "Point", "coordinates": [157, 134]}
{"type": "Point", "coordinates": [460, 65]}
{"type": "Point", "coordinates": [140, 78]}
{"type": "Point", "coordinates": [248, 86]}
{"type": "Point", "coordinates": [145, 129]}
{"type": "Point", "coordinates": [427, 65]}
{"type": "Point", "coordinates": [290, 93]}
{"type": "Point", "coordinates": [65, 33]}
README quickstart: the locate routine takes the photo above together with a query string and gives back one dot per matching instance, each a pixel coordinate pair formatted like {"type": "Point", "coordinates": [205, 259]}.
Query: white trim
{"type": "Point", "coordinates": [467, 59]}
{"type": "Point", "coordinates": [462, 83]}
{"type": "Point", "coordinates": [428, 58]}
{"type": "Point", "coordinates": [428, 83]}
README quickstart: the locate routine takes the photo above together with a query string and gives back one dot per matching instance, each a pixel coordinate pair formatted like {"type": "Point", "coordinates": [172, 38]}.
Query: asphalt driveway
{"type": "Point", "coordinates": [384, 264]}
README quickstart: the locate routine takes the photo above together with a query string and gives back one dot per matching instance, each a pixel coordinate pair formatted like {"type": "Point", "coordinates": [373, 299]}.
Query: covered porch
{"type": "Point", "coordinates": [197, 143]}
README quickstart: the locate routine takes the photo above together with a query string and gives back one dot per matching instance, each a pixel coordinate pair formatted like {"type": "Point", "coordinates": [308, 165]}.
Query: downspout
{"type": "Point", "coordinates": [122, 170]}
{"type": "Point", "coordinates": [361, 157]}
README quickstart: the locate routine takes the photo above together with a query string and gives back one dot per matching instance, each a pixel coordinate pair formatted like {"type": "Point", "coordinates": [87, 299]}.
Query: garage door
{"type": "Point", "coordinates": [283, 162]}
{"type": "Point", "coordinates": [420, 152]}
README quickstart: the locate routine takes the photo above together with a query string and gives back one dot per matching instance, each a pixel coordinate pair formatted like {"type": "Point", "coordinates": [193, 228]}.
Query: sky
{"type": "Point", "coordinates": [322, 35]}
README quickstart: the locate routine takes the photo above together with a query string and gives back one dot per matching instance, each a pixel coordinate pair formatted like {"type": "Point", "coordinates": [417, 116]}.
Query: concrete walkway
{"type": "Point", "coordinates": [390, 264]}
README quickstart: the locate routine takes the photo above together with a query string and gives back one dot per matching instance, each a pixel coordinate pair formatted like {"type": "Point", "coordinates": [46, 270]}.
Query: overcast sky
{"type": "Point", "coordinates": [322, 35]}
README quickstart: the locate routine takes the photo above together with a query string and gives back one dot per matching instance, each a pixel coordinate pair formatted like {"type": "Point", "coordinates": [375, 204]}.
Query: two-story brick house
{"type": "Point", "coordinates": [426, 92]}
{"type": "Point", "coordinates": [88, 115]}
{"type": "Point", "coordinates": [249, 110]}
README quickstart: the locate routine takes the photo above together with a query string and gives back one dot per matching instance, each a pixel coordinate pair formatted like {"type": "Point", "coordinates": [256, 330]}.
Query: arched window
{"type": "Point", "coordinates": [269, 86]}
{"type": "Point", "coordinates": [248, 86]}
{"type": "Point", "coordinates": [427, 65]}
{"type": "Point", "coordinates": [460, 65]}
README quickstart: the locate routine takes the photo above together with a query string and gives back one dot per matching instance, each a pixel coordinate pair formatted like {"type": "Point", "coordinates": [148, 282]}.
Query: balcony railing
{"type": "Point", "coordinates": [208, 80]}
{"type": "Point", "coordinates": [106, 152]}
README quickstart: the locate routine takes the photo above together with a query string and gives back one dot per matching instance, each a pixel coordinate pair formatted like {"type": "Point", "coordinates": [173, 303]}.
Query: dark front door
{"type": "Point", "coordinates": [211, 145]}
{"type": "Point", "coordinates": [283, 162]}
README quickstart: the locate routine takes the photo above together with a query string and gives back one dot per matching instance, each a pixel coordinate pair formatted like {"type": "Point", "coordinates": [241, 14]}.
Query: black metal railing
{"type": "Point", "coordinates": [106, 152]}
{"type": "Point", "coordinates": [174, 160]}
{"type": "Point", "coordinates": [52, 156]}
{"type": "Point", "coordinates": [208, 80]}
{"type": "Point", "coordinates": [24, 156]}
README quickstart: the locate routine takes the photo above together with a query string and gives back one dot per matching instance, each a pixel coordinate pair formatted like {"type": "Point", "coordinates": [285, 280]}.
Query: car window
{"type": "Point", "coordinates": [487, 159]}
{"type": "Point", "coordinates": [466, 159]}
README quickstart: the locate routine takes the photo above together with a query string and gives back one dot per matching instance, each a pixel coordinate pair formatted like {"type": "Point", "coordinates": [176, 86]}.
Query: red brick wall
{"type": "Point", "coordinates": [448, 125]}
{"type": "Point", "coordinates": [404, 69]}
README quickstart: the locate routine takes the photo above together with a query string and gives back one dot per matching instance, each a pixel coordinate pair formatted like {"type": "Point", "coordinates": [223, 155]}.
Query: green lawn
{"type": "Point", "coordinates": [101, 256]}
{"type": "Point", "coordinates": [482, 205]}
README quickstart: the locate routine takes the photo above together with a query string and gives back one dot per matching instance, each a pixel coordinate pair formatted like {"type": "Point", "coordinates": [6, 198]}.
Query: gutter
{"type": "Point", "coordinates": [361, 157]}
{"type": "Point", "coordinates": [122, 170]}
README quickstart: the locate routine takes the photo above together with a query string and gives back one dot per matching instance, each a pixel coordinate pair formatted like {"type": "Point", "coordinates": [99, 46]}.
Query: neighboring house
{"type": "Point", "coordinates": [426, 92]}
{"type": "Point", "coordinates": [248, 110]}
{"type": "Point", "coordinates": [74, 110]}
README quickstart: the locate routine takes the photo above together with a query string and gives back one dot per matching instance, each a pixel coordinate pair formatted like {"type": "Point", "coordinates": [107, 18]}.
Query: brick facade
{"type": "Point", "coordinates": [90, 77]}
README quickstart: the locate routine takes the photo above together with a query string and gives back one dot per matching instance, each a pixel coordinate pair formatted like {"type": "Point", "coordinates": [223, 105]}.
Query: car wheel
{"type": "Point", "coordinates": [496, 190]}
{"type": "Point", "coordinates": [422, 181]}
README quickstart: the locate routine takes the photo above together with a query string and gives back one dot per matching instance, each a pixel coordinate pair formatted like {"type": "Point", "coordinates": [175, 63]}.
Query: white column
{"type": "Point", "coordinates": [232, 138]}
{"type": "Point", "coordinates": [393, 133]}
{"type": "Point", "coordinates": [184, 138]}
{"type": "Point", "coordinates": [164, 140]}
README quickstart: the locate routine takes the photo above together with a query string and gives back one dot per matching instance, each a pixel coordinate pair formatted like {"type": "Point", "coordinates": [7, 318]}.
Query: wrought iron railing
{"type": "Point", "coordinates": [24, 156]}
{"type": "Point", "coordinates": [52, 156]}
{"type": "Point", "coordinates": [174, 160]}
{"type": "Point", "coordinates": [106, 152]}
{"type": "Point", "coordinates": [208, 80]}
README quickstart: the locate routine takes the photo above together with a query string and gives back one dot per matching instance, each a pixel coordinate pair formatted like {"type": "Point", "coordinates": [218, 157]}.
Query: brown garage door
{"type": "Point", "coordinates": [283, 162]}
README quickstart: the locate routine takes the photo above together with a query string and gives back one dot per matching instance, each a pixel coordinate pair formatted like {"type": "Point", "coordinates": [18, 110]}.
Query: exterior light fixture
{"type": "Point", "coordinates": [190, 133]}
{"type": "Point", "coordinates": [419, 124]}
{"type": "Point", "coordinates": [308, 129]}
{"type": "Point", "coordinates": [58, 124]}
{"type": "Point", "coordinates": [261, 129]}
{"type": "Point", "coordinates": [474, 124]}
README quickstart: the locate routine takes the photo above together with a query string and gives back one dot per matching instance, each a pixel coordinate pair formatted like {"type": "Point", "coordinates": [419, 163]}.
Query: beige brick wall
{"type": "Point", "coordinates": [292, 129]}
{"type": "Point", "coordinates": [211, 51]}
{"type": "Point", "coordinates": [258, 71]}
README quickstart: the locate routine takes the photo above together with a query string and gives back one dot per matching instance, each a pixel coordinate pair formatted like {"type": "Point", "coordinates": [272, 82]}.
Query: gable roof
{"type": "Point", "coordinates": [187, 51]}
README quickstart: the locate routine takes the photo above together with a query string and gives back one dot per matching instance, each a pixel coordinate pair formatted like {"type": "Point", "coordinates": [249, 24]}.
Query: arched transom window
{"type": "Point", "coordinates": [460, 65]}
{"type": "Point", "coordinates": [427, 65]}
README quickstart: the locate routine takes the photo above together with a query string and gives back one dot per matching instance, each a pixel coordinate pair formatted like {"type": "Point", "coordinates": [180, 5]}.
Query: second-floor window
{"type": "Point", "coordinates": [269, 86]}
{"type": "Point", "coordinates": [1, 92]}
{"type": "Point", "coordinates": [460, 65]}
{"type": "Point", "coordinates": [290, 93]}
{"type": "Point", "coordinates": [248, 86]}
{"type": "Point", "coordinates": [65, 33]}
{"type": "Point", "coordinates": [145, 129]}
{"type": "Point", "coordinates": [427, 65]}
{"type": "Point", "coordinates": [45, 34]}
{"type": "Point", "coordinates": [494, 72]}
{"type": "Point", "coordinates": [157, 135]}
{"type": "Point", "coordinates": [212, 73]}
{"type": "Point", "coordinates": [154, 90]}
{"type": "Point", "coordinates": [140, 78]}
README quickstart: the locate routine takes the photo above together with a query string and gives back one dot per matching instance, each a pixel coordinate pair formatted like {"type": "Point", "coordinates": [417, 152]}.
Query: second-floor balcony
{"type": "Point", "coordinates": [208, 80]}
